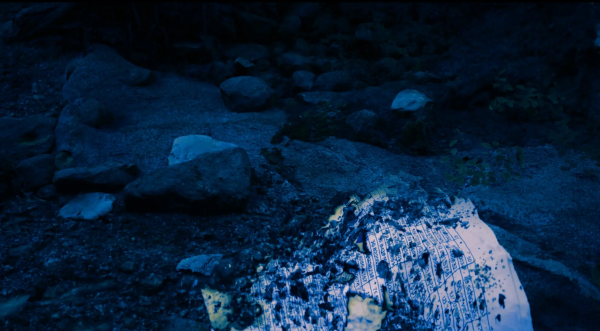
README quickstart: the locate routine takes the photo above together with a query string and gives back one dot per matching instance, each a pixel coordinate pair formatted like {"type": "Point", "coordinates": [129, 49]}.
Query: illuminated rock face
{"type": "Point", "coordinates": [187, 148]}
{"type": "Point", "coordinates": [409, 100]}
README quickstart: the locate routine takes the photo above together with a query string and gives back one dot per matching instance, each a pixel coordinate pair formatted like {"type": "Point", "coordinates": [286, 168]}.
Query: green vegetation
{"type": "Point", "coordinates": [523, 102]}
{"type": "Point", "coordinates": [312, 125]}
{"type": "Point", "coordinates": [481, 171]}
{"type": "Point", "coordinates": [526, 102]}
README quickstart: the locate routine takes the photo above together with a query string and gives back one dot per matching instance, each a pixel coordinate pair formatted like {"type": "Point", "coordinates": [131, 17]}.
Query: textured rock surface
{"type": "Point", "coordinates": [247, 94]}
{"type": "Point", "coordinates": [212, 183]}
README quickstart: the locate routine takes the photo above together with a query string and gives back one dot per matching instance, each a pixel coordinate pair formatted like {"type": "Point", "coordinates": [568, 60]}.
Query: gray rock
{"type": "Point", "coordinates": [12, 306]}
{"type": "Point", "coordinates": [303, 80]}
{"type": "Point", "coordinates": [47, 192]}
{"type": "Point", "coordinates": [252, 52]}
{"type": "Point", "coordinates": [243, 67]}
{"type": "Point", "coordinates": [204, 264]}
{"type": "Point", "coordinates": [247, 94]}
{"type": "Point", "coordinates": [289, 25]}
{"type": "Point", "coordinates": [204, 51]}
{"type": "Point", "coordinates": [89, 206]}
{"type": "Point", "coordinates": [336, 81]}
{"type": "Point", "coordinates": [364, 34]}
{"type": "Point", "coordinates": [409, 100]}
{"type": "Point", "coordinates": [139, 77]}
{"type": "Point", "coordinates": [187, 148]}
{"type": "Point", "coordinates": [290, 62]}
{"type": "Point", "coordinates": [22, 138]}
{"type": "Point", "coordinates": [77, 126]}
{"type": "Point", "coordinates": [212, 183]}
{"type": "Point", "coordinates": [127, 266]}
{"type": "Point", "coordinates": [21, 251]}
{"type": "Point", "coordinates": [317, 97]}
{"type": "Point", "coordinates": [148, 119]}
{"type": "Point", "coordinates": [63, 160]}
{"type": "Point", "coordinates": [362, 121]}
{"type": "Point", "coordinates": [106, 177]}
{"type": "Point", "coordinates": [34, 173]}
{"type": "Point", "coordinates": [240, 62]}
{"type": "Point", "coordinates": [152, 283]}
{"type": "Point", "coordinates": [301, 46]}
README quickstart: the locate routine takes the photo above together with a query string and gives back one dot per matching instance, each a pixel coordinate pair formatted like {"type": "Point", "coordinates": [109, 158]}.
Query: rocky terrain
{"type": "Point", "coordinates": [135, 136]}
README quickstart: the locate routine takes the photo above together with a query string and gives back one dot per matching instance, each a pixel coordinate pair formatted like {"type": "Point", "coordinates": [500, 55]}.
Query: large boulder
{"type": "Point", "coordinates": [337, 81]}
{"type": "Point", "coordinates": [212, 183]}
{"type": "Point", "coordinates": [22, 138]}
{"type": "Point", "coordinates": [247, 94]}
{"type": "Point", "coordinates": [106, 177]}
{"type": "Point", "coordinates": [303, 80]}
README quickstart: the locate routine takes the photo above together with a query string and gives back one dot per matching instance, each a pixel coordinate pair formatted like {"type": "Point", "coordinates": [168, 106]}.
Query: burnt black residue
{"type": "Point", "coordinates": [501, 298]}
{"type": "Point", "coordinates": [425, 258]}
{"type": "Point", "coordinates": [498, 317]}
{"type": "Point", "coordinates": [349, 215]}
{"type": "Point", "coordinates": [402, 288]}
{"type": "Point", "coordinates": [481, 302]}
{"type": "Point", "coordinates": [361, 238]}
{"type": "Point", "coordinates": [438, 270]}
{"type": "Point", "coordinates": [348, 266]}
{"type": "Point", "coordinates": [457, 253]}
{"type": "Point", "coordinates": [300, 291]}
{"type": "Point", "coordinates": [414, 305]}
{"type": "Point", "coordinates": [383, 270]}
{"type": "Point", "coordinates": [450, 221]}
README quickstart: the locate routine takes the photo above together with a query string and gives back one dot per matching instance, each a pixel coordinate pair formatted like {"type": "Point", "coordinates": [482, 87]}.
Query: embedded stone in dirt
{"type": "Point", "coordinates": [89, 207]}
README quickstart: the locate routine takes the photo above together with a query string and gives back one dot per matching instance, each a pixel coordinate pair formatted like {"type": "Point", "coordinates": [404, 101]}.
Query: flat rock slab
{"type": "Point", "coordinates": [89, 206]}
{"type": "Point", "coordinates": [189, 147]}
{"type": "Point", "coordinates": [148, 118]}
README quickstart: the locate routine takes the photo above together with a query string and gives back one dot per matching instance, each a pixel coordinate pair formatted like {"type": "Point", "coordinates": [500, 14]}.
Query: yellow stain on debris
{"type": "Point", "coordinates": [217, 305]}
{"type": "Point", "coordinates": [364, 314]}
